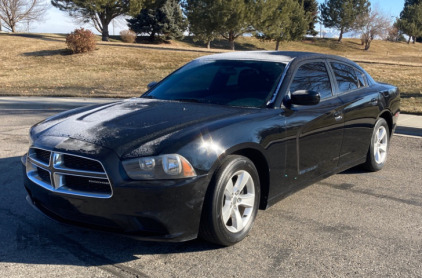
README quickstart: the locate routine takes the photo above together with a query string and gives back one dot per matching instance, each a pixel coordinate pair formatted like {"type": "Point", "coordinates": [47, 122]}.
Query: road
{"type": "Point", "coordinates": [354, 224]}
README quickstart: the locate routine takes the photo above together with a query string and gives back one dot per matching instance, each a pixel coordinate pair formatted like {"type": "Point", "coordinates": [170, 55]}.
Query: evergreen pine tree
{"type": "Point", "coordinates": [163, 19]}
{"type": "Point", "coordinates": [311, 10]}
{"type": "Point", "coordinates": [410, 21]}
{"type": "Point", "coordinates": [234, 18]}
{"type": "Point", "coordinates": [343, 14]}
{"type": "Point", "coordinates": [203, 23]}
{"type": "Point", "coordinates": [280, 20]}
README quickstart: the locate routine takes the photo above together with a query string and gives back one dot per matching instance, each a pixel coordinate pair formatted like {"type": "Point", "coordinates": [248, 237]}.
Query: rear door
{"type": "Point", "coordinates": [360, 111]}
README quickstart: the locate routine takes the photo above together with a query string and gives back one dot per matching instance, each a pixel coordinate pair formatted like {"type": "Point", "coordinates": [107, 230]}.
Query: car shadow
{"type": "Point", "coordinates": [45, 53]}
{"type": "Point", "coordinates": [31, 238]}
{"type": "Point", "coordinates": [44, 37]}
{"type": "Point", "coordinates": [355, 170]}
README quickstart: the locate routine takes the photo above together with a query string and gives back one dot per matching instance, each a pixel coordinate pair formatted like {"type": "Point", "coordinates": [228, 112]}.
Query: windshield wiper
{"type": "Point", "coordinates": [187, 100]}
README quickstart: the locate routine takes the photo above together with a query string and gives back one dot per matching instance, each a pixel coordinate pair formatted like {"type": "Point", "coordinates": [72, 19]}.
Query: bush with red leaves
{"type": "Point", "coordinates": [81, 40]}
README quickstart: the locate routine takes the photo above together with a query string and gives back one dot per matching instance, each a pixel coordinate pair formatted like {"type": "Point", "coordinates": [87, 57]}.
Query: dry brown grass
{"type": "Point", "coordinates": [40, 65]}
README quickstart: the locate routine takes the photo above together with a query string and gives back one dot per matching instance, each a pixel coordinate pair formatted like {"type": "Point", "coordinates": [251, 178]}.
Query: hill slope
{"type": "Point", "coordinates": [39, 64]}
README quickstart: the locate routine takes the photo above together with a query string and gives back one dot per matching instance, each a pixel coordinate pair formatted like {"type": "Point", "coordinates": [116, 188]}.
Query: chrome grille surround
{"type": "Point", "coordinates": [36, 168]}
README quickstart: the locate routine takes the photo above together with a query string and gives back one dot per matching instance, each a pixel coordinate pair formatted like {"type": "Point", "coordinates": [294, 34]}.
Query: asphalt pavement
{"type": "Point", "coordinates": [353, 224]}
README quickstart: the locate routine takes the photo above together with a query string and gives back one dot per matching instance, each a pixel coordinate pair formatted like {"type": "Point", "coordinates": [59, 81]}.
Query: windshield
{"type": "Point", "coordinates": [225, 82]}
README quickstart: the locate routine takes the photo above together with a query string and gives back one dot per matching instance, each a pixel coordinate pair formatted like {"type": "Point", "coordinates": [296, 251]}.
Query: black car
{"type": "Point", "coordinates": [202, 150]}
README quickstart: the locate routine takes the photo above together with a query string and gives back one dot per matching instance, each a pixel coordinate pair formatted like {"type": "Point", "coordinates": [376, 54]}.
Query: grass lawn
{"type": "Point", "coordinates": [40, 65]}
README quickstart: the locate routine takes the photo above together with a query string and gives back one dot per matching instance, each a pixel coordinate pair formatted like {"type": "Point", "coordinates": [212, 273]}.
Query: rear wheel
{"type": "Point", "coordinates": [231, 203]}
{"type": "Point", "coordinates": [378, 150]}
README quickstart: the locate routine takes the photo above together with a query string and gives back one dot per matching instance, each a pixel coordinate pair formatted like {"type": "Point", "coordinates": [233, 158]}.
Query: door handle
{"type": "Point", "coordinates": [338, 116]}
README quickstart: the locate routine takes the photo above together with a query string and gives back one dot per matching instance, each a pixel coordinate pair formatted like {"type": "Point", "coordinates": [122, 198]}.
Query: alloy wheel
{"type": "Point", "coordinates": [238, 201]}
{"type": "Point", "coordinates": [380, 145]}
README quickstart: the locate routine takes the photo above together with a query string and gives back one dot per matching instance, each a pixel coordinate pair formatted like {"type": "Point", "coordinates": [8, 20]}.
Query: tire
{"type": "Point", "coordinates": [231, 202]}
{"type": "Point", "coordinates": [378, 149]}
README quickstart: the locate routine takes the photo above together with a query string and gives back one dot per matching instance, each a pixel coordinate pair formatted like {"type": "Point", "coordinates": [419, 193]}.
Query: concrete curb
{"type": "Point", "coordinates": [409, 124]}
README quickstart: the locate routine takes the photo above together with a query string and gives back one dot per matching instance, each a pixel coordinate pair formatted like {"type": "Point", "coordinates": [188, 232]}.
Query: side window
{"type": "Point", "coordinates": [346, 77]}
{"type": "Point", "coordinates": [361, 79]}
{"type": "Point", "coordinates": [312, 77]}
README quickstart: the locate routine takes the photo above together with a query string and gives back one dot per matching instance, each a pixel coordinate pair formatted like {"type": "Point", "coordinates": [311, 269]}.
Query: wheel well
{"type": "Point", "coordinates": [261, 165]}
{"type": "Point", "coordinates": [389, 119]}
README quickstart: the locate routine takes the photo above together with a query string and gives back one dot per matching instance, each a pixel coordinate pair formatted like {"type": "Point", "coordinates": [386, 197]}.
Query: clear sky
{"type": "Point", "coordinates": [59, 22]}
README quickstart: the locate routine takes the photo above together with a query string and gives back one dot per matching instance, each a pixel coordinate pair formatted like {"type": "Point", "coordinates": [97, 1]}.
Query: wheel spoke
{"type": "Point", "coordinates": [383, 148]}
{"type": "Point", "coordinates": [237, 221]}
{"type": "Point", "coordinates": [383, 133]}
{"type": "Point", "coordinates": [247, 200]}
{"type": "Point", "coordinates": [227, 212]}
{"type": "Point", "coordinates": [228, 191]}
{"type": "Point", "coordinates": [242, 180]}
{"type": "Point", "coordinates": [378, 155]}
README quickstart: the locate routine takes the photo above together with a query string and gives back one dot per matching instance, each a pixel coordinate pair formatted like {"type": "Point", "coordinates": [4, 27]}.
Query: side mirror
{"type": "Point", "coordinates": [152, 85]}
{"type": "Point", "coordinates": [305, 97]}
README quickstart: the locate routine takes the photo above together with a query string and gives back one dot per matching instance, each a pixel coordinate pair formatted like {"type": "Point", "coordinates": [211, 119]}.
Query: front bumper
{"type": "Point", "coordinates": [167, 210]}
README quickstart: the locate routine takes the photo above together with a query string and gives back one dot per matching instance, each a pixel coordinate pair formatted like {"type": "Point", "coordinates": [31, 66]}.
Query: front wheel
{"type": "Point", "coordinates": [378, 149]}
{"type": "Point", "coordinates": [231, 203]}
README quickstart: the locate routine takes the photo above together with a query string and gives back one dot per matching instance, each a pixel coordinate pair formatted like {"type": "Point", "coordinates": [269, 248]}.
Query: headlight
{"type": "Point", "coordinates": [168, 166]}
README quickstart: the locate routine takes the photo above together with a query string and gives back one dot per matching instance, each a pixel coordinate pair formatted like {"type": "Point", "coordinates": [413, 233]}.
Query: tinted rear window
{"type": "Point", "coordinates": [346, 77]}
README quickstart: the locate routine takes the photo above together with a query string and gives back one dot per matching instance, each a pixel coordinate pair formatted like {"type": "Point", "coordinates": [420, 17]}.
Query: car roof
{"type": "Point", "coordinates": [273, 56]}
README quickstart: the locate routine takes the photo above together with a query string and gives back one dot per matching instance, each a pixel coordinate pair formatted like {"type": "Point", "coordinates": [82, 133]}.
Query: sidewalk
{"type": "Point", "coordinates": [409, 125]}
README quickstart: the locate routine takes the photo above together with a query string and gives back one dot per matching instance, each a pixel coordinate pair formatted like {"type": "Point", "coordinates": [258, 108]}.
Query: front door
{"type": "Point", "coordinates": [316, 131]}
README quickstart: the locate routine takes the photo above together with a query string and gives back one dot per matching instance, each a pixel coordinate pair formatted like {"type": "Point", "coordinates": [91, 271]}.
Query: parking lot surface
{"type": "Point", "coordinates": [353, 224]}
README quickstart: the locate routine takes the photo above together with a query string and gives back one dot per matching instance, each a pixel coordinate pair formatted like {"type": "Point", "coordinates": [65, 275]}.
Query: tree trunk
{"type": "Point", "coordinates": [209, 44]}
{"type": "Point", "coordinates": [367, 45]}
{"type": "Point", "coordinates": [341, 35]}
{"type": "Point", "coordinates": [152, 36]}
{"type": "Point", "coordinates": [231, 44]}
{"type": "Point", "coordinates": [13, 28]}
{"type": "Point", "coordinates": [105, 34]}
{"type": "Point", "coordinates": [408, 41]}
{"type": "Point", "coordinates": [277, 45]}
{"type": "Point", "coordinates": [231, 40]}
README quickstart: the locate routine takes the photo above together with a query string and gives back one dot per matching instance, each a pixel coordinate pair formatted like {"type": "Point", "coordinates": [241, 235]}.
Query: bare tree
{"type": "Point", "coordinates": [14, 11]}
{"type": "Point", "coordinates": [373, 25]}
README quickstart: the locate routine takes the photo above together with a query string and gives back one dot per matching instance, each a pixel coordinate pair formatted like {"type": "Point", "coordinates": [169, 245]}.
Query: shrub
{"type": "Point", "coordinates": [81, 40]}
{"type": "Point", "coordinates": [128, 36]}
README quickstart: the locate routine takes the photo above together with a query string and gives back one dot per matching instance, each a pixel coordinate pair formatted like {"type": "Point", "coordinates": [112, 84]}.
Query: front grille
{"type": "Point", "coordinates": [44, 175]}
{"type": "Point", "coordinates": [77, 183]}
{"type": "Point", "coordinates": [68, 173]}
{"type": "Point", "coordinates": [39, 155]}
{"type": "Point", "coordinates": [75, 162]}
{"type": "Point", "coordinates": [42, 155]}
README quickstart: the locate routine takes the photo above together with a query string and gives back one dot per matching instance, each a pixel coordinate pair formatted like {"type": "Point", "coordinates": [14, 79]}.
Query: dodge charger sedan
{"type": "Point", "coordinates": [206, 147]}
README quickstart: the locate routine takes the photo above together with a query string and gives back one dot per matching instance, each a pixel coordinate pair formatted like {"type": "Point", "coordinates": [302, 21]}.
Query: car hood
{"type": "Point", "coordinates": [124, 126]}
